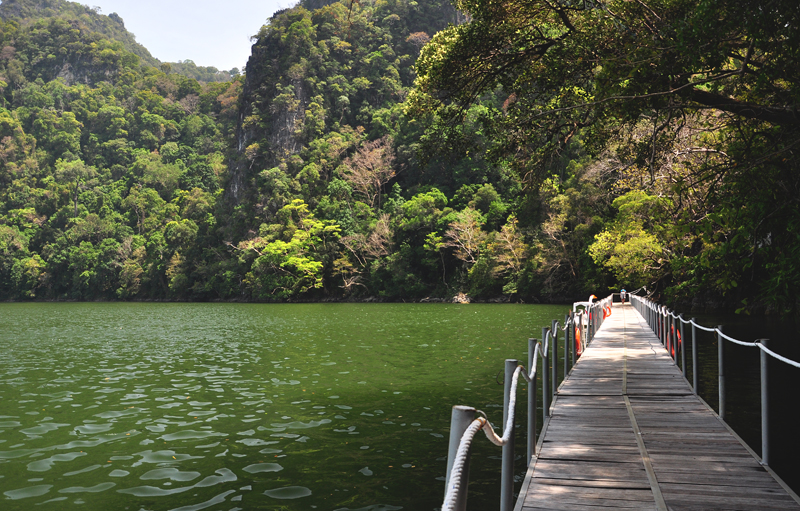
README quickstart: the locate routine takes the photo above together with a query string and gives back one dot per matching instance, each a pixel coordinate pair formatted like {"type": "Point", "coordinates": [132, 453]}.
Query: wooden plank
{"type": "Point", "coordinates": [590, 457]}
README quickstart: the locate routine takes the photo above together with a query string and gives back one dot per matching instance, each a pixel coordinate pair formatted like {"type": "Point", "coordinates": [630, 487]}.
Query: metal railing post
{"type": "Point", "coordinates": [588, 321]}
{"type": "Point", "coordinates": [566, 345]}
{"type": "Point", "coordinates": [658, 325]}
{"type": "Point", "coordinates": [695, 376]}
{"type": "Point", "coordinates": [673, 345]}
{"type": "Point", "coordinates": [764, 405]}
{"type": "Point", "coordinates": [531, 401]}
{"type": "Point", "coordinates": [574, 338]}
{"type": "Point", "coordinates": [720, 360]}
{"type": "Point", "coordinates": [681, 347]}
{"type": "Point", "coordinates": [656, 316]}
{"type": "Point", "coordinates": [667, 333]}
{"type": "Point", "coordinates": [460, 419]}
{"type": "Point", "coordinates": [545, 376]}
{"type": "Point", "coordinates": [554, 361]}
{"type": "Point", "coordinates": [507, 471]}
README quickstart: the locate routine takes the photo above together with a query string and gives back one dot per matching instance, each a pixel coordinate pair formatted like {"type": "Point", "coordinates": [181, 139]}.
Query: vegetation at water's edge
{"type": "Point", "coordinates": [533, 152]}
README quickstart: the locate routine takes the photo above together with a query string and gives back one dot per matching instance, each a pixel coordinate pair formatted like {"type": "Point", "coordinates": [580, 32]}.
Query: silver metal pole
{"type": "Point", "coordinates": [572, 344]}
{"type": "Point", "coordinates": [764, 405]}
{"type": "Point", "coordinates": [695, 376]}
{"type": "Point", "coordinates": [658, 324]}
{"type": "Point", "coordinates": [720, 360]}
{"type": "Point", "coordinates": [655, 322]}
{"type": "Point", "coordinates": [545, 376]}
{"type": "Point", "coordinates": [507, 471]}
{"type": "Point", "coordinates": [554, 361]}
{"type": "Point", "coordinates": [566, 345]}
{"type": "Point", "coordinates": [681, 346]}
{"type": "Point", "coordinates": [531, 402]}
{"type": "Point", "coordinates": [460, 419]}
{"type": "Point", "coordinates": [673, 345]}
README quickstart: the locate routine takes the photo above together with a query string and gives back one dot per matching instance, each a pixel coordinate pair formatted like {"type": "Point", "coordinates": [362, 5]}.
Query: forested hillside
{"type": "Point", "coordinates": [108, 166]}
{"type": "Point", "coordinates": [27, 12]}
{"type": "Point", "coordinates": [687, 107]}
{"type": "Point", "coordinates": [533, 153]}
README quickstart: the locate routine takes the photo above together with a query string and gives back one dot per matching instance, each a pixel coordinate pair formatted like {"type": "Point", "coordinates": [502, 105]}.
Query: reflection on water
{"type": "Point", "coordinates": [234, 406]}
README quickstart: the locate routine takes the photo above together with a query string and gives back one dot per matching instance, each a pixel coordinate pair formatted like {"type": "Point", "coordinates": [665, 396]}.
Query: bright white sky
{"type": "Point", "coordinates": [208, 32]}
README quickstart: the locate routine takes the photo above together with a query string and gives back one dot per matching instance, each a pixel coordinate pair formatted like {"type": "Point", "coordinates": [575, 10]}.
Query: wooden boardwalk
{"type": "Point", "coordinates": [626, 432]}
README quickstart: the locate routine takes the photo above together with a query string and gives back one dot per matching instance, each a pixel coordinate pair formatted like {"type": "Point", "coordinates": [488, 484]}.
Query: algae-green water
{"type": "Point", "coordinates": [119, 406]}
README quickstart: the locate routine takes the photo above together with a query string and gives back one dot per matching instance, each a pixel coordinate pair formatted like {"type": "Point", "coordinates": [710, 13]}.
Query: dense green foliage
{"type": "Point", "coordinates": [109, 170]}
{"type": "Point", "coordinates": [121, 180]}
{"type": "Point", "coordinates": [535, 151]}
{"type": "Point", "coordinates": [27, 12]}
{"type": "Point", "coordinates": [688, 106]}
{"type": "Point", "coordinates": [324, 136]}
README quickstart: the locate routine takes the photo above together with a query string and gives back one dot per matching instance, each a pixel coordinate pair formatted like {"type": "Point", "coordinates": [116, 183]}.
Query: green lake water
{"type": "Point", "coordinates": [249, 406]}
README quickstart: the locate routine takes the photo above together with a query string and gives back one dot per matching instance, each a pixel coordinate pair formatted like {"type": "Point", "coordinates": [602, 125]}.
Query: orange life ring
{"type": "Point", "coordinates": [578, 347]}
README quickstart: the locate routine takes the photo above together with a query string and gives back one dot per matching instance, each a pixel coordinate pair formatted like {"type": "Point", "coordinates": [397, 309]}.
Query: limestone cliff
{"type": "Point", "coordinates": [324, 67]}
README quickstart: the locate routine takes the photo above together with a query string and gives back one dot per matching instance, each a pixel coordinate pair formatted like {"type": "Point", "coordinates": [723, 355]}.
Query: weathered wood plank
{"type": "Point", "coordinates": [590, 458]}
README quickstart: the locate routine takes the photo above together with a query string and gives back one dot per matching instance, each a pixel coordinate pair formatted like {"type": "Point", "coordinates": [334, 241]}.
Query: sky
{"type": "Point", "coordinates": [207, 32]}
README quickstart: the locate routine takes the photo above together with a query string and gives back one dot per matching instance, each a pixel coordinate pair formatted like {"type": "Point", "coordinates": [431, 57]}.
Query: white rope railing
{"type": "Point", "coordinates": [512, 401]}
{"type": "Point", "coordinates": [658, 309]}
{"type": "Point", "coordinates": [454, 499]}
{"type": "Point", "coordinates": [460, 462]}
{"type": "Point", "coordinates": [657, 317]}
{"type": "Point", "coordinates": [779, 357]}
{"type": "Point", "coordinates": [735, 341]}
{"type": "Point", "coordinates": [482, 423]}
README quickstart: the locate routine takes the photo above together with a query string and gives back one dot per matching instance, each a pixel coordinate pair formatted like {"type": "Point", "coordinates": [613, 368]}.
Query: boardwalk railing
{"type": "Point", "coordinates": [668, 326]}
{"type": "Point", "coordinates": [579, 329]}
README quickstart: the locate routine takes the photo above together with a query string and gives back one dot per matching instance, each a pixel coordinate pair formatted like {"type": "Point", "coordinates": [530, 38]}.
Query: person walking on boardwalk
{"type": "Point", "coordinates": [622, 295]}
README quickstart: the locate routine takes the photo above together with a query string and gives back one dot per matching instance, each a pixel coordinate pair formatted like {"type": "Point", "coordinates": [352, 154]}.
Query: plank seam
{"type": "Point", "coordinates": [661, 505]}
